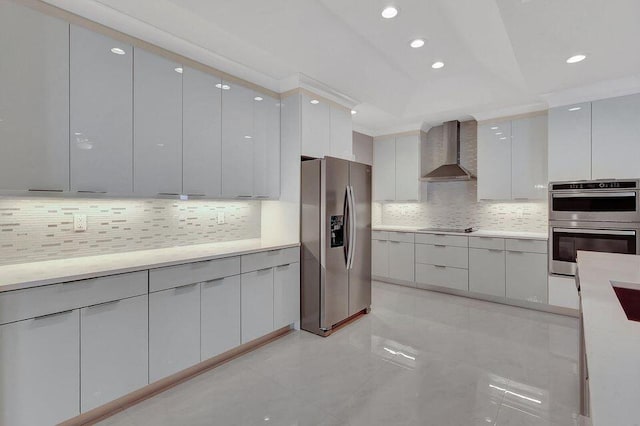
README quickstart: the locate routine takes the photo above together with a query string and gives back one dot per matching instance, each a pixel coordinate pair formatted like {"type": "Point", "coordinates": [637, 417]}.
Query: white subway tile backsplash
{"type": "Point", "coordinates": [33, 229]}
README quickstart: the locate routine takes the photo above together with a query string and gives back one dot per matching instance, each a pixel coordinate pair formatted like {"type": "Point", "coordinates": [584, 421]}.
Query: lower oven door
{"type": "Point", "coordinates": [566, 238]}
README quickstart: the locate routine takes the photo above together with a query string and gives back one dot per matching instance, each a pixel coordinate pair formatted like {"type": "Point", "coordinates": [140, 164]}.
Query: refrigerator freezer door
{"type": "Point", "coordinates": [334, 283]}
{"type": "Point", "coordinates": [360, 273]}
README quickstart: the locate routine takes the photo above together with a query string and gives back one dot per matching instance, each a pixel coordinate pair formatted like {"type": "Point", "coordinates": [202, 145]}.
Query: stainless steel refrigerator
{"type": "Point", "coordinates": [336, 242]}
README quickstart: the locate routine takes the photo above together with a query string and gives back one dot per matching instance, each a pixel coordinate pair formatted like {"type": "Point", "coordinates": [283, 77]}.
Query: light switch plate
{"type": "Point", "coordinates": [79, 222]}
{"type": "Point", "coordinates": [220, 218]}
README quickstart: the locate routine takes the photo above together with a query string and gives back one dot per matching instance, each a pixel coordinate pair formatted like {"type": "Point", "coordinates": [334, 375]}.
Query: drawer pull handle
{"type": "Point", "coordinates": [168, 193]}
{"type": "Point", "coordinates": [260, 271]}
{"type": "Point", "coordinates": [44, 190]}
{"type": "Point", "coordinates": [440, 246]}
{"type": "Point", "coordinates": [440, 266]}
{"type": "Point", "coordinates": [515, 251]}
{"type": "Point", "coordinates": [111, 302]}
{"type": "Point", "coordinates": [53, 314]}
{"type": "Point", "coordinates": [196, 195]}
{"type": "Point", "coordinates": [440, 235]}
{"type": "Point", "coordinates": [262, 196]}
{"type": "Point", "coordinates": [283, 266]}
{"type": "Point", "coordinates": [186, 287]}
{"type": "Point", "coordinates": [212, 282]}
{"type": "Point", "coordinates": [87, 191]}
{"type": "Point", "coordinates": [496, 250]}
{"type": "Point", "coordinates": [244, 196]}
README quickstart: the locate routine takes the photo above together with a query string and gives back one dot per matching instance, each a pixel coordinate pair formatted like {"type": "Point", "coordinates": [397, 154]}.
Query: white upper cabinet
{"type": "Point", "coordinates": [237, 140]}
{"type": "Point", "coordinates": [101, 89]}
{"type": "Point", "coordinates": [157, 125]}
{"type": "Point", "coordinates": [315, 126]}
{"type": "Point", "coordinates": [266, 146]}
{"type": "Point", "coordinates": [384, 169]}
{"type": "Point", "coordinates": [34, 100]}
{"type": "Point", "coordinates": [201, 133]}
{"type": "Point", "coordinates": [494, 161]}
{"type": "Point", "coordinates": [570, 142]}
{"type": "Point", "coordinates": [407, 168]}
{"type": "Point", "coordinates": [341, 133]}
{"type": "Point", "coordinates": [529, 158]}
{"type": "Point", "coordinates": [616, 137]}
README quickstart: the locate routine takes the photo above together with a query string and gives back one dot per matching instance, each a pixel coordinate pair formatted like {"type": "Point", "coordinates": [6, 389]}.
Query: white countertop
{"type": "Point", "coordinates": [478, 233]}
{"type": "Point", "coordinates": [612, 341]}
{"type": "Point", "coordinates": [25, 275]}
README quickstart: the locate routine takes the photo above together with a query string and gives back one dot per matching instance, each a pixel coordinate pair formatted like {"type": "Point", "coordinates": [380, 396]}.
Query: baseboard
{"type": "Point", "coordinates": [109, 409]}
{"type": "Point", "coordinates": [543, 307]}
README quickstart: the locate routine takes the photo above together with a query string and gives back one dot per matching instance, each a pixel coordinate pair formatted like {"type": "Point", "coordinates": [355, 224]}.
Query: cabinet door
{"type": "Point", "coordinates": [34, 100]}
{"type": "Point", "coordinates": [40, 376]}
{"type": "Point", "coordinates": [570, 142]}
{"type": "Point", "coordinates": [266, 146]}
{"type": "Point", "coordinates": [529, 158]}
{"type": "Point", "coordinates": [101, 113]}
{"type": "Point", "coordinates": [341, 133]}
{"type": "Point", "coordinates": [487, 271]}
{"type": "Point", "coordinates": [384, 169]}
{"type": "Point", "coordinates": [237, 141]}
{"type": "Point", "coordinates": [563, 292]}
{"type": "Point", "coordinates": [527, 276]}
{"type": "Point", "coordinates": [201, 133]}
{"type": "Point", "coordinates": [315, 126]}
{"type": "Point", "coordinates": [380, 258]}
{"type": "Point", "coordinates": [220, 316]}
{"type": "Point", "coordinates": [286, 295]}
{"type": "Point", "coordinates": [494, 161]}
{"type": "Point", "coordinates": [407, 168]}
{"type": "Point", "coordinates": [157, 143]}
{"type": "Point", "coordinates": [114, 350]}
{"type": "Point", "coordinates": [401, 261]}
{"type": "Point", "coordinates": [615, 140]}
{"type": "Point", "coordinates": [174, 330]}
{"type": "Point", "coordinates": [257, 304]}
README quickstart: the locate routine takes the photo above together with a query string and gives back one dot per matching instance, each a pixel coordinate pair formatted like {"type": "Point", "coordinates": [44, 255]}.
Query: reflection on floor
{"type": "Point", "coordinates": [419, 358]}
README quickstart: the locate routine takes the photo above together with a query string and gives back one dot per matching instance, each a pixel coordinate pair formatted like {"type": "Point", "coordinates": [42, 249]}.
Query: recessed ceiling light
{"type": "Point", "coordinates": [498, 133]}
{"type": "Point", "coordinates": [178, 70]}
{"type": "Point", "coordinates": [417, 43]}
{"type": "Point", "coordinates": [437, 65]}
{"type": "Point", "coordinates": [117, 51]}
{"type": "Point", "coordinates": [248, 137]}
{"type": "Point", "coordinates": [354, 112]}
{"type": "Point", "coordinates": [257, 98]}
{"type": "Point", "coordinates": [389, 12]}
{"type": "Point", "coordinates": [226, 87]}
{"type": "Point", "coordinates": [314, 101]}
{"type": "Point", "coordinates": [576, 58]}
{"type": "Point", "coordinates": [494, 128]}
{"type": "Point", "coordinates": [503, 138]}
{"type": "Point", "coordinates": [575, 109]}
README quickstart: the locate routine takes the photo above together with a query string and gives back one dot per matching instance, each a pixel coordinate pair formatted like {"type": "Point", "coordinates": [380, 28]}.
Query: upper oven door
{"type": "Point", "coordinates": [567, 238]}
{"type": "Point", "coordinates": [602, 206]}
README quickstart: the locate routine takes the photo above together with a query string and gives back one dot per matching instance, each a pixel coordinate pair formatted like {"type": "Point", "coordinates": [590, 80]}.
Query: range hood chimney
{"type": "Point", "coordinates": [451, 169]}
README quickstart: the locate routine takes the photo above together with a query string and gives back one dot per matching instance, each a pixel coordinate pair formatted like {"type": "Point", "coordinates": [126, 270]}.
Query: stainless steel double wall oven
{"type": "Point", "coordinates": [601, 215]}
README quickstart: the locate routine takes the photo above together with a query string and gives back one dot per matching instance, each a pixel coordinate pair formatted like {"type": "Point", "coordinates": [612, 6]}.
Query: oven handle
{"type": "Point", "coordinates": [595, 195]}
{"type": "Point", "coordinates": [594, 231]}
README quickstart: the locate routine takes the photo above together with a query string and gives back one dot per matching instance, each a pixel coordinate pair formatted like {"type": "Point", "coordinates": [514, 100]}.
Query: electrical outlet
{"type": "Point", "coordinates": [79, 222]}
{"type": "Point", "coordinates": [220, 218]}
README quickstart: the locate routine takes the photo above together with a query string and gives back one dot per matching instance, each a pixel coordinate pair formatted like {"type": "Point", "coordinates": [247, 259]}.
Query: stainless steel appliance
{"type": "Point", "coordinates": [601, 215]}
{"type": "Point", "coordinates": [336, 242]}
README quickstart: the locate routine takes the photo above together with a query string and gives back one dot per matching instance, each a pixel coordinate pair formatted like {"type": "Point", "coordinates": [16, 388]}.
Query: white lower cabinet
{"type": "Point", "coordinates": [563, 292]}
{"type": "Point", "coordinates": [401, 261]}
{"type": "Point", "coordinates": [380, 258]}
{"type": "Point", "coordinates": [526, 277]}
{"type": "Point", "coordinates": [286, 295]}
{"type": "Point", "coordinates": [220, 316]}
{"type": "Point", "coordinates": [114, 350]}
{"type": "Point", "coordinates": [174, 330]}
{"type": "Point", "coordinates": [40, 379]}
{"type": "Point", "coordinates": [443, 276]}
{"type": "Point", "coordinates": [256, 304]}
{"type": "Point", "coordinates": [487, 271]}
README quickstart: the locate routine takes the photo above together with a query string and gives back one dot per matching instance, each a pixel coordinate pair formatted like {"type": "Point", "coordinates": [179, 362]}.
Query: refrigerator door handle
{"type": "Point", "coordinates": [347, 220]}
{"type": "Point", "coordinates": [352, 227]}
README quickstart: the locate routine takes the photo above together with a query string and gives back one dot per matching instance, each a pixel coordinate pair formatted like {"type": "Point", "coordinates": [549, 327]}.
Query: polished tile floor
{"type": "Point", "coordinates": [419, 358]}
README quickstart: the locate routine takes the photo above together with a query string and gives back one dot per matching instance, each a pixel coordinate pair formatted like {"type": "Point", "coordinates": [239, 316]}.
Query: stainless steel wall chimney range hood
{"type": "Point", "coordinates": [451, 170]}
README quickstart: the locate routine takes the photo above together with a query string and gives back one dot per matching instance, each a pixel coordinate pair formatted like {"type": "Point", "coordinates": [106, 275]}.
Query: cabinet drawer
{"type": "Point", "coordinates": [268, 259]}
{"type": "Point", "coordinates": [457, 257]}
{"type": "Point", "coordinates": [442, 276]}
{"type": "Point", "coordinates": [34, 302]}
{"type": "Point", "coordinates": [528, 246]}
{"type": "Point", "coordinates": [403, 237]}
{"type": "Point", "coordinates": [190, 273]}
{"type": "Point", "coordinates": [487, 243]}
{"type": "Point", "coordinates": [379, 235]}
{"type": "Point", "coordinates": [443, 239]}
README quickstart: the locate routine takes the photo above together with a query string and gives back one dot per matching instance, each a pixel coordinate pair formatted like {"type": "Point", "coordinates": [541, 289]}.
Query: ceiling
{"type": "Point", "coordinates": [501, 56]}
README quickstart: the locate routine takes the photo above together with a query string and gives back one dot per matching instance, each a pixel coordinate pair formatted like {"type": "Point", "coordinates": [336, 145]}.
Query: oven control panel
{"type": "Point", "coordinates": [614, 184]}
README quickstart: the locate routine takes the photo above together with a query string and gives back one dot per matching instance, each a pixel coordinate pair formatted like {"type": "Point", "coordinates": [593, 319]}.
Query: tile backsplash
{"type": "Point", "coordinates": [33, 229]}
